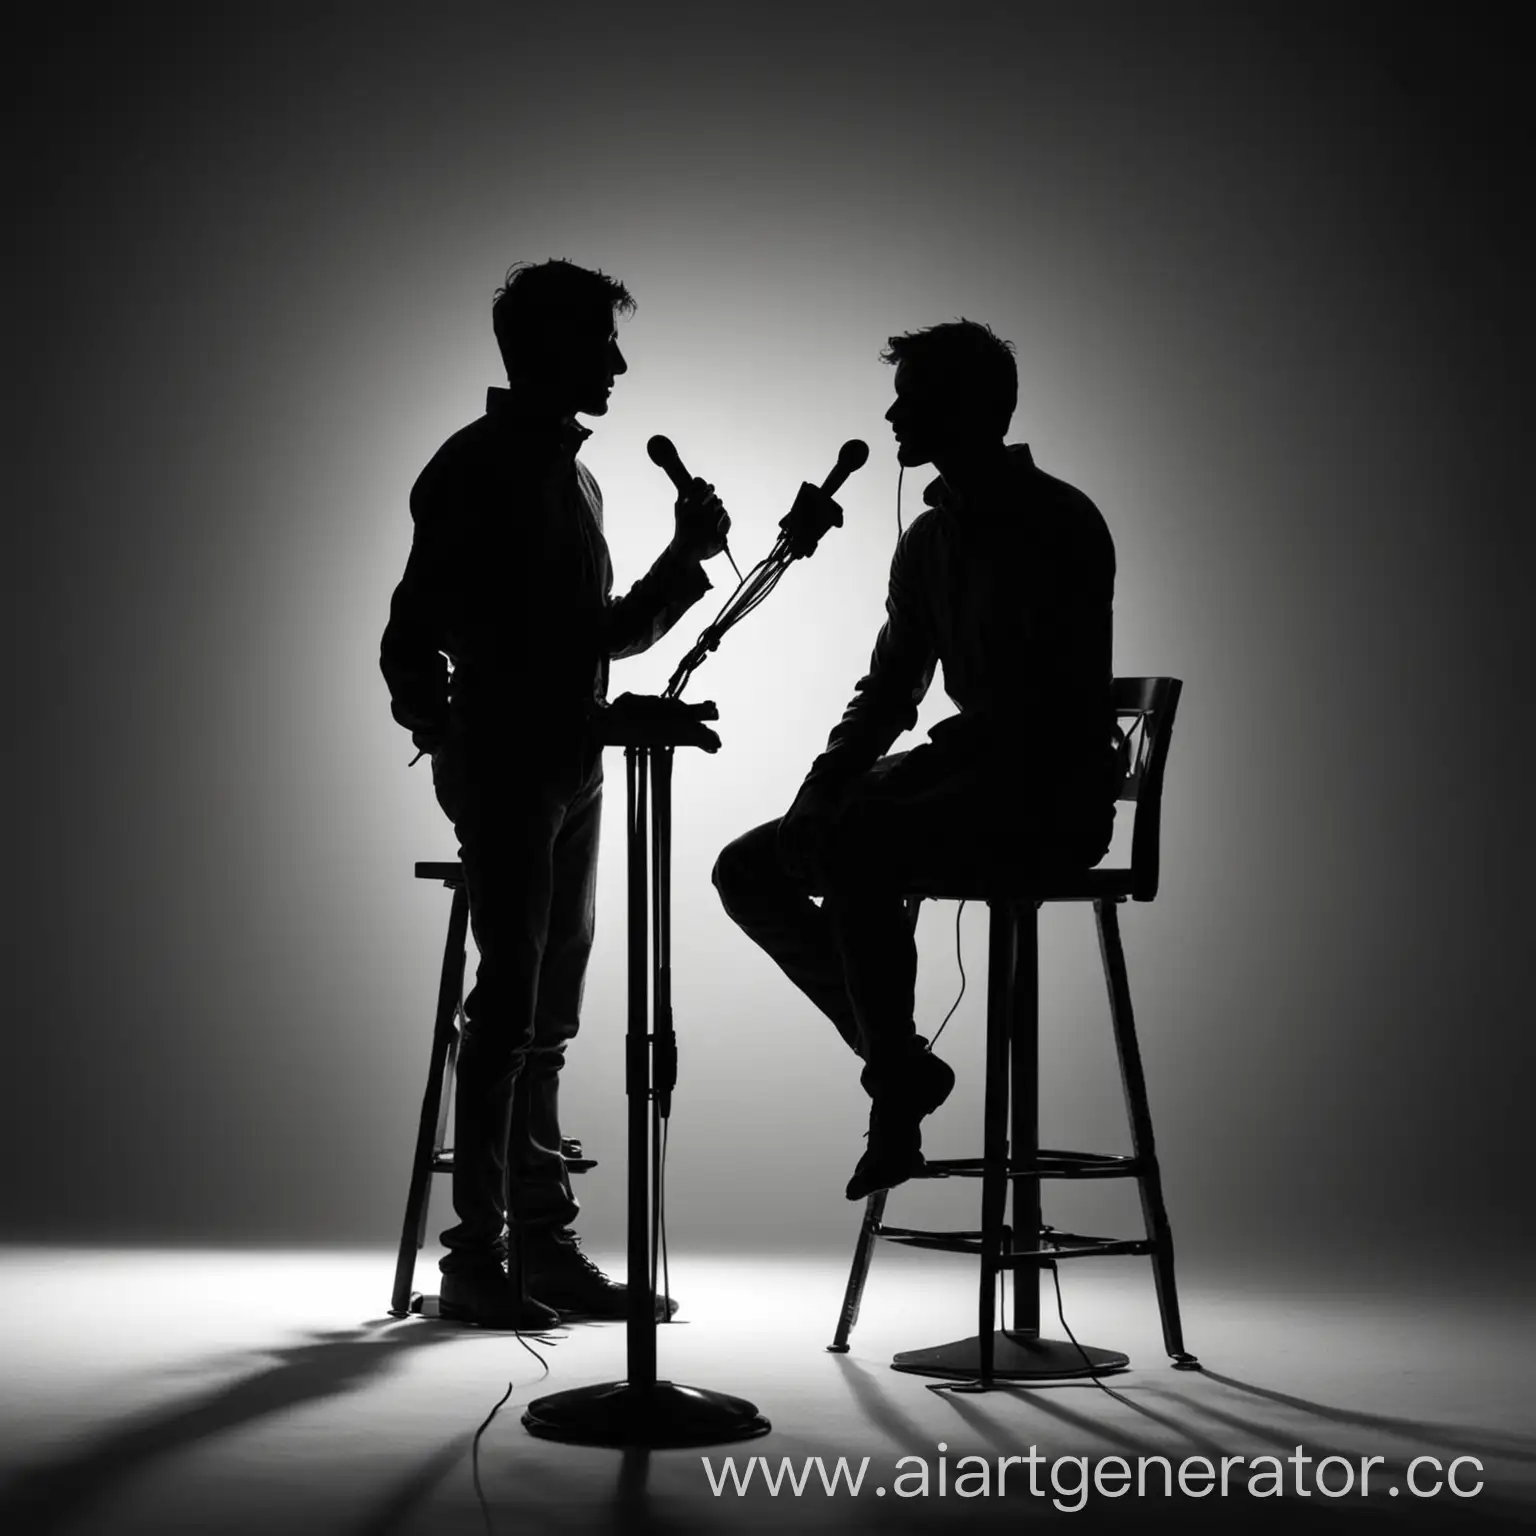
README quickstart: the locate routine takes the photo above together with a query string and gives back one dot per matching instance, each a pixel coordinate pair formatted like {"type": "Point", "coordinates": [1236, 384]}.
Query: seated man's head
{"type": "Point", "coordinates": [956, 389]}
{"type": "Point", "coordinates": [557, 327]}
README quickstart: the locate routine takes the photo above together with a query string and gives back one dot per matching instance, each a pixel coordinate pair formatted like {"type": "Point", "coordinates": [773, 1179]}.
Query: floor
{"type": "Point", "coordinates": [243, 1392]}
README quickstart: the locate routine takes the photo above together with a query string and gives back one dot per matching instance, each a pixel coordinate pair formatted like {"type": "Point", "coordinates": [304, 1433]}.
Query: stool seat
{"type": "Point", "coordinates": [570, 1153]}
{"type": "Point", "coordinates": [1013, 1164]}
{"type": "Point", "coordinates": [1115, 883]}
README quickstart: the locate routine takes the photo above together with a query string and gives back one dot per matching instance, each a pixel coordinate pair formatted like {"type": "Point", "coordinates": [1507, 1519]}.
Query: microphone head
{"type": "Point", "coordinates": [852, 455]}
{"type": "Point", "coordinates": [662, 453]}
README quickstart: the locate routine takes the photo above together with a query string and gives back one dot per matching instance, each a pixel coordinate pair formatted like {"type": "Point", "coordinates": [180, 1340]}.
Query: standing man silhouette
{"type": "Point", "coordinates": [1008, 581]}
{"type": "Point", "coordinates": [496, 656]}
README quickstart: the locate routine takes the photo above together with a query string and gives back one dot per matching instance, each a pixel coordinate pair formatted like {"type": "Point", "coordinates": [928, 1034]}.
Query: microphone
{"type": "Point", "coordinates": [851, 456]}
{"type": "Point", "coordinates": [814, 511]}
{"type": "Point", "coordinates": [665, 456]}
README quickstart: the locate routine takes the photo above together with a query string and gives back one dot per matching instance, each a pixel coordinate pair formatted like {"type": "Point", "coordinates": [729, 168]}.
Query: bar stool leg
{"type": "Point", "coordinates": [1149, 1181]}
{"type": "Point", "coordinates": [869, 1229]}
{"type": "Point", "coordinates": [1001, 962]}
{"type": "Point", "coordinates": [445, 1104]}
{"type": "Point", "coordinates": [1018, 1353]}
{"type": "Point", "coordinates": [444, 1034]}
{"type": "Point", "coordinates": [1024, 1108]}
{"type": "Point", "coordinates": [864, 1251]}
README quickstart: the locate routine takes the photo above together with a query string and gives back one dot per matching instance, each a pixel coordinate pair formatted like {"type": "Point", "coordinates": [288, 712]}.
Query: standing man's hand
{"type": "Point", "coordinates": [702, 524]}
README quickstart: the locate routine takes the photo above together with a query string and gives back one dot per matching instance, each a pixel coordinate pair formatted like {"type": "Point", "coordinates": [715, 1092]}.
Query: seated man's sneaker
{"type": "Point", "coordinates": [485, 1297]}
{"type": "Point", "coordinates": [561, 1275]}
{"type": "Point", "coordinates": [900, 1099]}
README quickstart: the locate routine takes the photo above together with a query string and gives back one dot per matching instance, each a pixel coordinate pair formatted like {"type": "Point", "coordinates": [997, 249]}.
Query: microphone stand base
{"type": "Point", "coordinates": [623, 1413]}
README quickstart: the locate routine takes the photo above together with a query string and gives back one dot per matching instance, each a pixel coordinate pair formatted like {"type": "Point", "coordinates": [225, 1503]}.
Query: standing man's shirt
{"type": "Point", "coordinates": [509, 578]}
{"type": "Point", "coordinates": [1014, 597]}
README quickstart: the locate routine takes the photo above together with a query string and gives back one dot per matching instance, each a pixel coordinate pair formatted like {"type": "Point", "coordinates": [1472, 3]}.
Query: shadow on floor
{"type": "Point", "coordinates": [1237, 1419]}
{"type": "Point", "coordinates": [48, 1495]}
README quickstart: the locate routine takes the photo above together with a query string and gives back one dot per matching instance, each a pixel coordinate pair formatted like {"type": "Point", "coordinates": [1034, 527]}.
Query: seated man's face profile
{"type": "Point", "coordinates": [927, 415]}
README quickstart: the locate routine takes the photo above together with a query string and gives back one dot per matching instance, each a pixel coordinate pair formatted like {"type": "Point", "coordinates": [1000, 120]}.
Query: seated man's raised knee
{"type": "Point", "coordinates": [747, 870]}
{"type": "Point", "coordinates": [729, 876]}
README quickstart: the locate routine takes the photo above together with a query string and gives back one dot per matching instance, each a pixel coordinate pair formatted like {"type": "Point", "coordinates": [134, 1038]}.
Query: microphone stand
{"type": "Point", "coordinates": [641, 1410]}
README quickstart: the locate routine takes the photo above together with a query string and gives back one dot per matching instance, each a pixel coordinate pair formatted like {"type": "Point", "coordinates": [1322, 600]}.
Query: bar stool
{"type": "Point", "coordinates": [431, 1155]}
{"type": "Point", "coordinates": [1145, 708]}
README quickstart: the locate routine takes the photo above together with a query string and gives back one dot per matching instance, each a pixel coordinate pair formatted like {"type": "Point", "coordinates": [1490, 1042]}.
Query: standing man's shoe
{"type": "Point", "coordinates": [559, 1273]}
{"type": "Point", "coordinates": [485, 1297]}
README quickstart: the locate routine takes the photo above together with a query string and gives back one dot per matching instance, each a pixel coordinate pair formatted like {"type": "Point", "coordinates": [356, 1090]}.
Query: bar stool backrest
{"type": "Point", "coordinates": [1144, 711]}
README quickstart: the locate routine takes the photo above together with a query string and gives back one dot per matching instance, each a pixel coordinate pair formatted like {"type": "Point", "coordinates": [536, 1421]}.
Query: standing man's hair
{"type": "Point", "coordinates": [976, 364]}
{"type": "Point", "coordinates": [538, 302]}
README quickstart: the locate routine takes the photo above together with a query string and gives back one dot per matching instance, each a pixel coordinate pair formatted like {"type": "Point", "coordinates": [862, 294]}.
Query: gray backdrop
{"type": "Point", "coordinates": [1261, 270]}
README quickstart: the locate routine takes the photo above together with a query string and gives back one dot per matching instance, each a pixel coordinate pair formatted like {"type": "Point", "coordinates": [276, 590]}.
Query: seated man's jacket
{"type": "Point", "coordinates": [509, 579]}
{"type": "Point", "coordinates": [1013, 595]}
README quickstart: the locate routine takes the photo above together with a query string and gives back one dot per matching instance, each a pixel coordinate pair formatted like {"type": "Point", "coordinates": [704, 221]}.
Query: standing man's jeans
{"type": "Point", "coordinates": [527, 818]}
{"type": "Point", "coordinates": [915, 817]}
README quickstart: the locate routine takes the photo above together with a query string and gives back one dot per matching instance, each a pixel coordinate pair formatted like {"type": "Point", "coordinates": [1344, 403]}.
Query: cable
{"type": "Point", "coordinates": [474, 1463]}
{"type": "Point", "coordinates": [474, 1450]}
{"type": "Point", "coordinates": [901, 472]}
{"type": "Point", "coordinates": [480, 1492]}
{"type": "Point", "coordinates": [1098, 1380]}
{"type": "Point", "coordinates": [960, 961]}
{"type": "Point", "coordinates": [741, 581]}
{"type": "Point", "coordinates": [752, 590]}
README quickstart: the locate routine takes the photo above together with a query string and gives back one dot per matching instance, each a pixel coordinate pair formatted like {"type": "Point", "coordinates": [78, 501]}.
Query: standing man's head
{"type": "Point", "coordinates": [557, 327]}
{"type": "Point", "coordinates": [956, 389]}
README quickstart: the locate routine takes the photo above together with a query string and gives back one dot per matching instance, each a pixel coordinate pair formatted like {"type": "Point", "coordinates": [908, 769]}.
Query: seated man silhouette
{"type": "Point", "coordinates": [1007, 580]}
{"type": "Point", "coordinates": [509, 579]}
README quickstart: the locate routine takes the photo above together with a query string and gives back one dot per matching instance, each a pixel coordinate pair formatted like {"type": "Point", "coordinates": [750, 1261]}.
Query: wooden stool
{"type": "Point", "coordinates": [1012, 1108]}
{"type": "Point", "coordinates": [431, 1155]}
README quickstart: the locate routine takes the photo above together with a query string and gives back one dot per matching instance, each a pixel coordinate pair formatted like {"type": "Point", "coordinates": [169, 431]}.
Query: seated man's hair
{"type": "Point", "coordinates": [539, 300]}
{"type": "Point", "coordinates": [978, 366]}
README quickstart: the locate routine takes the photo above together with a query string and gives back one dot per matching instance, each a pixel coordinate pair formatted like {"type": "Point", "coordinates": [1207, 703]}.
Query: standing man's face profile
{"type": "Point", "coordinates": [577, 367]}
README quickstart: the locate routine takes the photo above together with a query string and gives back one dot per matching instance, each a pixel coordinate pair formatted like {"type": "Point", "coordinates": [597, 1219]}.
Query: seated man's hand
{"type": "Point", "coordinates": [701, 523]}
{"type": "Point", "coordinates": [806, 829]}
